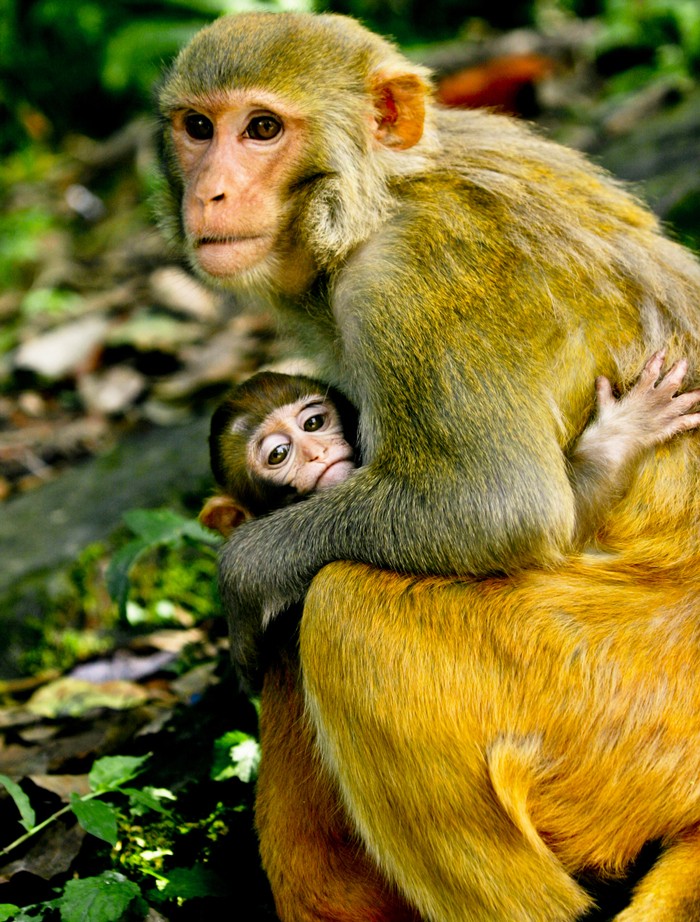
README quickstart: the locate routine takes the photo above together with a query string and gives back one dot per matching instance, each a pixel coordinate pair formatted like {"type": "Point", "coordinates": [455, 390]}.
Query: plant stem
{"type": "Point", "coordinates": [45, 823]}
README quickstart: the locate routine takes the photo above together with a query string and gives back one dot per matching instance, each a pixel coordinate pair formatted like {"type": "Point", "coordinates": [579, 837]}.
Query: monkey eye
{"type": "Point", "coordinates": [314, 423]}
{"type": "Point", "coordinates": [278, 454]}
{"type": "Point", "coordinates": [263, 128]}
{"type": "Point", "coordinates": [199, 127]}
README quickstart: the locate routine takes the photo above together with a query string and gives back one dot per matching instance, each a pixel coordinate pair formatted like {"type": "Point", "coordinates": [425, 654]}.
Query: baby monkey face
{"type": "Point", "coordinates": [302, 445]}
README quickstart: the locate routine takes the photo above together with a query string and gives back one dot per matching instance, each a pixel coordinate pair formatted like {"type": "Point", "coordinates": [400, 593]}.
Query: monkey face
{"type": "Point", "coordinates": [302, 445]}
{"type": "Point", "coordinates": [277, 152]}
{"type": "Point", "coordinates": [236, 151]}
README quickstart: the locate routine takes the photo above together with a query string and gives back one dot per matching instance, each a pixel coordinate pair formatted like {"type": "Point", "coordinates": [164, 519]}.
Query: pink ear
{"type": "Point", "coordinates": [399, 104]}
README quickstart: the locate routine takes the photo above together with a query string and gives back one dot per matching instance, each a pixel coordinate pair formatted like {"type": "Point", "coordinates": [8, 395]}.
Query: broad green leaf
{"type": "Point", "coordinates": [22, 803]}
{"type": "Point", "coordinates": [236, 755]}
{"type": "Point", "coordinates": [163, 526]}
{"type": "Point", "coordinates": [152, 527]}
{"type": "Point", "coordinates": [50, 301]}
{"type": "Point", "coordinates": [110, 772]}
{"type": "Point", "coordinates": [8, 911]}
{"type": "Point", "coordinates": [96, 817]}
{"type": "Point", "coordinates": [97, 899]}
{"type": "Point", "coordinates": [117, 575]}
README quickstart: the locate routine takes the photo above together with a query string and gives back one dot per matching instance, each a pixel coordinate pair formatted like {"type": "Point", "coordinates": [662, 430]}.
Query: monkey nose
{"type": "Point", "coordinates": [313, 451]}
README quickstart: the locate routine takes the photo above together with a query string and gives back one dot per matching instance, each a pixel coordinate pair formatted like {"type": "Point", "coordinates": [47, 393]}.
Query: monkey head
{"type": "Point", "coordinates": [281, 133]}
{"type": "Point", "coordinates": [277, 437]}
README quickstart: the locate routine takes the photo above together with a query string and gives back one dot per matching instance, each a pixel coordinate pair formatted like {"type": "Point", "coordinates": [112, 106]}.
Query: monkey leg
{"type": "Point", "coordinates": [317, 869]}
{"type": "Point", "coordinates": [492, 737]}
{"type": "Point", "coordinates": [670, 892]}
{"type": "Point", "coordinates": [398, 709]}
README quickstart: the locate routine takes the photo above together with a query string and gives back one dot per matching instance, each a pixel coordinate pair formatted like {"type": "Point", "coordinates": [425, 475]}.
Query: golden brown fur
{"type": "Point", "coordinates": [318, 869]}
{"type": "Point", "coordinates": [500, 735]}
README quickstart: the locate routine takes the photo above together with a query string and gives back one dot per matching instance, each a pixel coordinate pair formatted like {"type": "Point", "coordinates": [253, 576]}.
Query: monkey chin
{"type": "Point", "coordinates": [259, 271]}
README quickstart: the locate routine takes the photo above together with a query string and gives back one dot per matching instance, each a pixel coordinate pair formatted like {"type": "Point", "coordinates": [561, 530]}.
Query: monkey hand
{"type": "Point", "coordinates": [653, 408]}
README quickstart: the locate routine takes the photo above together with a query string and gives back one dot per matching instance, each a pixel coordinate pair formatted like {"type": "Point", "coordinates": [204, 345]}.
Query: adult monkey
{"type": "Point", "coordinates": [462, 281]}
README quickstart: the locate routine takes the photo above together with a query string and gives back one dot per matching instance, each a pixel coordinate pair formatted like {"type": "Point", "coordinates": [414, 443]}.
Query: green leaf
{"type": "Point", "coordinates": [194, 530]}
{"type": "Point", "coordinates": [110, 772]}
{"type": "Point", "coordinates": [152, 527]}
{"type": "Point", "coordinates": [117, 575]}
{"type": "Point", "coordinates": [50, 301]}
{"type": "Point", "coordinates": [96, 817]}
{"type": "Point", "coordinates": [190, 883]}
{"type": "Point", "coordinates": [21, 800]}
{"type": "Point", "coordinates": [145, 799]}
{"type": "Point", "coordinates": [236, 755]}
{"type": "Point", "coordinates": [156, 526]}
{"type": "Point", "coordinates": [97, 899]}
{"type": "Point", "coordinates": [8, 911]}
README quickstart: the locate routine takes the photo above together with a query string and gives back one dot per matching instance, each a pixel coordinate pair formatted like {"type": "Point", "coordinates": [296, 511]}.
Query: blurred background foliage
{"type": "Point", "coordinates": [87, 66]}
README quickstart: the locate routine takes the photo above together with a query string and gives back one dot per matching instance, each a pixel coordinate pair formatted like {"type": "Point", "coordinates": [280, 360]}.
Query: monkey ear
{"type": "Point", "coordinates": [223, 514]}
{"type": "Point", "coordinates": [399, 104]}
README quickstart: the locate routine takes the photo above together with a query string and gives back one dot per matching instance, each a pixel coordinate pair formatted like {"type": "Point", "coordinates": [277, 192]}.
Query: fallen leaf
{"type": "Point", "coordinates": [123, 665]}
{"type": "Point", "coordinates": [62, 785]}
{"type": "Point", "coordinates": [68, 697]}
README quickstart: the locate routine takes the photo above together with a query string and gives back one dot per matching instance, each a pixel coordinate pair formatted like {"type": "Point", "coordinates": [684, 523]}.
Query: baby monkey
{"type": "Point", "coordinates": [278, 438]}
{"type": "Point", "coordinates": [275, 439]}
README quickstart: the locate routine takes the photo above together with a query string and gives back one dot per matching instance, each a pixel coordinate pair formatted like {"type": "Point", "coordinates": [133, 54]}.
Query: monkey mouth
{"type": "Point", "coordinates": [229, 239]}
{"type": "Point", "coordinates": [334, 473]}
{"type": "Point", "coordinates": [226, 255]}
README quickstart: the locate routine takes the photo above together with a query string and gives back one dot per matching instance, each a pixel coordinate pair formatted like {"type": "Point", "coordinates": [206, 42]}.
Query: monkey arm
{"type": "Point", "coordinates": [510, 510]}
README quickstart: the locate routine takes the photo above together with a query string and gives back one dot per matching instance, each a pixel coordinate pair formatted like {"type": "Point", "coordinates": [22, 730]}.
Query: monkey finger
{"type": "Point", "coordinates": [603, 390]}
{"type": "Point", "coordinates": [673, 379]}
{"type": "Point", "coordinates": [684, 402]}
{"type": "Point", "coordinates": [683, 424]}
{"type": "Point", "coordinates": [652, 369]}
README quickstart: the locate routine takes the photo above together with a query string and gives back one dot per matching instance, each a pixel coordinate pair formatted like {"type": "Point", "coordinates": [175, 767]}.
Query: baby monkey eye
{"type": "Point", "coordinates": [314, 423]}
{"type": "Point", "coordinates": [199, 127]}
{"type": "Point", "coordinates": [278, 454]}
{"type": "Point", "coordinates": [263, 128]}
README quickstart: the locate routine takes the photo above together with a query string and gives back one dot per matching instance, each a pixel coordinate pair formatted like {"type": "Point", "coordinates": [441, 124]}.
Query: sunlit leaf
{"type": "Point", "coordinates": [236, 755]}
{"type": "Point", "coordinates": [69, 697]}
{"type": "Point", "coordinates": [111, 772]}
